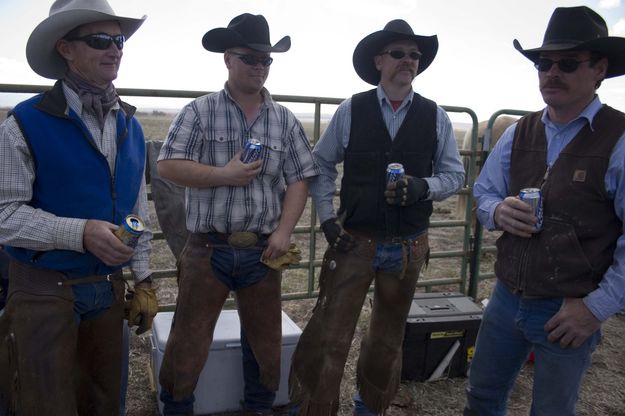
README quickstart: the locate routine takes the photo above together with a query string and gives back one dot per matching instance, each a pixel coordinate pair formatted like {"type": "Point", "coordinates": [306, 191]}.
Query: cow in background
{"type": "Point", "coordinates": [500, 125]}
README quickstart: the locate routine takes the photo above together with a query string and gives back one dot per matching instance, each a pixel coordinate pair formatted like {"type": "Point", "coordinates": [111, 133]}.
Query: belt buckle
{"type": "Point", "coordinates": [242, 239]}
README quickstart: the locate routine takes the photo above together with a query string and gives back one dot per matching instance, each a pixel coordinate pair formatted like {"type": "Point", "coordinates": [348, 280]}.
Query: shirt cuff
{"type": "Point", "coordinates": [600, 305]}
{"type": "Point", "coordinates": [68, 234]}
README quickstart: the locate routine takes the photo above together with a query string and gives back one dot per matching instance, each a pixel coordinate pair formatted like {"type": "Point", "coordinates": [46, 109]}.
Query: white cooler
{"type": "Point", "coordinates": [220, 387]}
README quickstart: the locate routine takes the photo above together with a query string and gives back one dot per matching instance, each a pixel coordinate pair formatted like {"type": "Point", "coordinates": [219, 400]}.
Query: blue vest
{"type": "Point", "coordinates": [72, 177]}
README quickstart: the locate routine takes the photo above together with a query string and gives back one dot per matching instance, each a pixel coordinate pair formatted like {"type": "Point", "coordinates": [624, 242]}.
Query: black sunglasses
{"type": "Point", "coordinates": [254, 60]}
{"type": "Point", "coordinates": [566, 65]}
{"type": "Point", "coordinates": [101, 41]}
{"type": "Point", "coordinates": [398, 54]}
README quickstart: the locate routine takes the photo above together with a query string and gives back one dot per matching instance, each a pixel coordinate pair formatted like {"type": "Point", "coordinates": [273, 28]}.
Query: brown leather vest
{"type": "Point", "coordinates": [569, 257]}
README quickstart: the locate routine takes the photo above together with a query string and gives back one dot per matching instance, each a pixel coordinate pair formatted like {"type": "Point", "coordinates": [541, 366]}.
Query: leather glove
{"type": "Point", "coordinates": [141, 306]}
{"type": "Point", "coordinates": [292, 256]}
{"type": "Point", "coordinates": [406, 191]}
{"type": "Point", "coordinates": [336, 236]}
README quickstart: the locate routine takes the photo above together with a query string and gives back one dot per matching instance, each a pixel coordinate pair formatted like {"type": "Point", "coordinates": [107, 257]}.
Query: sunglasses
{"type": "Point", "coordinates": [101, 41]}
{"type": "Point", "coordinates": [566, 65]}
{"type": "Point", "coordinates": [254, 60]}
{"type": "Point", "coordinates": [398, 54]}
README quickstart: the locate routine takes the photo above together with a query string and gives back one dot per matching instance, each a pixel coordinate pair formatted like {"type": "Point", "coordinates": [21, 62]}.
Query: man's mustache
{"type": "Point", "coordinates": [554, 83]}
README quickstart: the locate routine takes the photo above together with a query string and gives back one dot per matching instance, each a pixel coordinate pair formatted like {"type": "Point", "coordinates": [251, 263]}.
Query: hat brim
{"type": "Point", "coordinates": [222, 39]}
{"type": "Point", "coordinates": [41, 46]}
{"type": "Point", "coordinates": [372, 44]}
{"type": "Point", "coordinates": [613, 48]}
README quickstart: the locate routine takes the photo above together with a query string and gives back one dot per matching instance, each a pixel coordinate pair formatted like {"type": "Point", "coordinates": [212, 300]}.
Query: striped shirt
{"type": "Point", "coordinates": [24, 226]}
{"type": "Point", "coordinates": [211, 130]}
{"type": "Point", "coordinates": [448, 169]}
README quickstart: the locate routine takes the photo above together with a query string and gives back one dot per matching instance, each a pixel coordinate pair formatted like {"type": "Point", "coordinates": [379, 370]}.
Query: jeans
{"type": "Point", "coordinates": [65, 342]}
{"type": "Point", "coordinates": [319, 359]}
{"type": "Point", "coordinates": [208, 270]}
{"type": "Point", "coordinates": [388, 258]}
{"type": "Point", "coordinates": [256, 397]}
{"type": "Point", "coordinates": [512, 326]}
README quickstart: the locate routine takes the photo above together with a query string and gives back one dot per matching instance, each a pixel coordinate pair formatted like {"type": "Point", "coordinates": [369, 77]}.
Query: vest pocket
{"type": "Point", "coordinates": [557, 264]}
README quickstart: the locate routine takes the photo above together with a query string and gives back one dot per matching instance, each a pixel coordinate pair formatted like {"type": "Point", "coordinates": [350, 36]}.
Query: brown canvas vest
{"type": "Point", "coordinates": [570, 255]}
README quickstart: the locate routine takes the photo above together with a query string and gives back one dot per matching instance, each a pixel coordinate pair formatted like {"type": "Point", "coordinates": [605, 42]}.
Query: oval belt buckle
{"type": "Point", "coordinates": [242, 239]}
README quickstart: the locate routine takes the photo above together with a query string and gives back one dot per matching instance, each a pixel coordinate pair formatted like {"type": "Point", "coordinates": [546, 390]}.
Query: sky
{"type": "Point", "coordinates": [476, 65]}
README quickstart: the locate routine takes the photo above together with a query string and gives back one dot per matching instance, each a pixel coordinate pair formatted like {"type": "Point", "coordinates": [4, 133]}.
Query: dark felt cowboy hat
{"type": "Point", "coordinates": [66, 15]}
{"type": "Point", "coordinates": [246, 30]}
{"type": "Point", "coordinates": [580, 29]}
{"type": "Point", "coordinates": [372, 45]}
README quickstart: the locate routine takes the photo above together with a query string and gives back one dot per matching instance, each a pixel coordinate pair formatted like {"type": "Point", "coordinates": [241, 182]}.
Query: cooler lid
{"type": "Point", "coordinates": [227, 330]}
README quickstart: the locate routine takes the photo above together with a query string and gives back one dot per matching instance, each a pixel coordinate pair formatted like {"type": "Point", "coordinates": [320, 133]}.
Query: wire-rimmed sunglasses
{"type": "Point", "coordinates": [399, 54]}
{"type": "Point", "coordinates": [253, 60]}
{"type": "Point", "coordinates": [101, 41]}
{"type": "Point", "coordinates": [567, 65]}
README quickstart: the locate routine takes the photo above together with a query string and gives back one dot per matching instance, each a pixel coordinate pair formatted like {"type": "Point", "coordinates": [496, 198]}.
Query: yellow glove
{"type": "Point", "coordinates": [141, 306]}
{"type": "Point", "coordinates": [293, 256]}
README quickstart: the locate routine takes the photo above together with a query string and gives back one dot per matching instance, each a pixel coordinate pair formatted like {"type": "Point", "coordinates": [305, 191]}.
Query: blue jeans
{"type": "Point", "coordinates": [512, 326]}
{"type": "Point", "coordinates": [207, 271]}
{"type": "Point", "coordinates": [388, 258]}
{"type": "Point", "coordinates": [72, 338]}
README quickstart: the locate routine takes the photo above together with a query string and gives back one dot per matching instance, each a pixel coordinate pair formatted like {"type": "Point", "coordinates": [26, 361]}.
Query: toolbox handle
{"type": "Point", "coordinates": [233, 345]}
{"type": "Point", "coordinates": [439, 308]}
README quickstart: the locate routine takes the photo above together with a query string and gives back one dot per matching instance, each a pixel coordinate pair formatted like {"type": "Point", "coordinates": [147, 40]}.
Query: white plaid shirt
{"type": "Point", "coordinates": [210, 130]}
{"type": "Point", "coordinates": [24, 226]}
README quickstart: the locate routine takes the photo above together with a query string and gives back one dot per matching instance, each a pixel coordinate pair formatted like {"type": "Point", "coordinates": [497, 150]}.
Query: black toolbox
{"type": "Point", "coordinates": [441, 330]}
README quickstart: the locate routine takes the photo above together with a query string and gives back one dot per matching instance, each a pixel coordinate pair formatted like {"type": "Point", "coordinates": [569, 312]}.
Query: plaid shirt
{"type": "Point", "coordinates": [23, 226]}
{"type": "Point", "coordinates": [210, 130]}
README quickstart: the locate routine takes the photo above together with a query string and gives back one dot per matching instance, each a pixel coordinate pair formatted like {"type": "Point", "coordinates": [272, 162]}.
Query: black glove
{"type": "Point", "coordinates": [336, 236]}
{"type": "Point", "coordinates": [406, 191]}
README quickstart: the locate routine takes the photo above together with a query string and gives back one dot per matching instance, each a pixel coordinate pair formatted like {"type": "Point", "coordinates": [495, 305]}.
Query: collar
{"type": "Point", "coordinates": [383, 98]}
{"type": "Point", "coordinates": [264, 93]}
{"type": "Point", "coordinates": [587, 115]}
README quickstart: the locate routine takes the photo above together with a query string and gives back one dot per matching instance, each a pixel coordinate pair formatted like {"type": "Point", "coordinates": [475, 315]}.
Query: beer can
{"type": "Point", "coordinates": [251, 151]}
{"type": "Point", "coordinates": [130, 230]}
{"type": "Point", "coordinates": [394, 172]}
{"type": "Point", "coordinates": [534, 197]}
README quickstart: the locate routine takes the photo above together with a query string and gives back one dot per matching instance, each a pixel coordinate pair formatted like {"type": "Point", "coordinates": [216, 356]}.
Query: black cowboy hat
{"type": "Point", "coordinates": [580, 29]}
{"type": "Point", "coordinates": [372, 45]}
{"type": "Point", "coordinates": [246, 30]}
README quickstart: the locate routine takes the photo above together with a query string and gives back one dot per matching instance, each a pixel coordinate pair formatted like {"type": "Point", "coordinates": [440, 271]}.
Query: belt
{"type": "Point", "coordinates": [91, 279]}
{"type": "Point", "coordinates": [405, 240]}
{"type": "Point", "coordinates": [239, 239]}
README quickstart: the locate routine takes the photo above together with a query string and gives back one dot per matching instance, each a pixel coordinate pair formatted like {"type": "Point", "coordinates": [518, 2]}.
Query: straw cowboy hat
{"type": "Point", "coordinates": [580, 29]}
{"type": "Point", "coordinates": [372, 45]}
{"type": "Point", "coordinates": [246, 30]}
{"type": "Point", "coordinates": [66, 15]}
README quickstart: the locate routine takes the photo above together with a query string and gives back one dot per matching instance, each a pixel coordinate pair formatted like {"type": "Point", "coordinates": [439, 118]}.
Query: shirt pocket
{"type": "Point", "coordinates": [273, 155]}
{"type": "Point", "coordinates": [219, 147]}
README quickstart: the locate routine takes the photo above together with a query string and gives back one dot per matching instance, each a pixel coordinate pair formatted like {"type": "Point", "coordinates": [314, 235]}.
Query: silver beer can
{"type": "Point", "coordinates": [533, 196]}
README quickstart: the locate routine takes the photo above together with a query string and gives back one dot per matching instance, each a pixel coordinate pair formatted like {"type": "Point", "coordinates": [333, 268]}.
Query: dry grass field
{"type": "Point", "coordinates": [603, 391]}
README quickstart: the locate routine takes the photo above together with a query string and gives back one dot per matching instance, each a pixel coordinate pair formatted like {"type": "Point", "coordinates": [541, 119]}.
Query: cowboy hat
{"type": "Point", "coordinates": [372, 45]}
{"type": "Point", "coordinates": [246, 30]}
{"type": "Point", "coordinates": [65, 15]}
{"type": "Point", "coordinates": [580, 29]}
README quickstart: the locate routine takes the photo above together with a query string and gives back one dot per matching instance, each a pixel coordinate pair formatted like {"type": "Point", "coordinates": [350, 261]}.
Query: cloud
{"type": "Point", "coordinates": [609, 4]}
{"type": "Point", "coordinates": [619, 27]}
